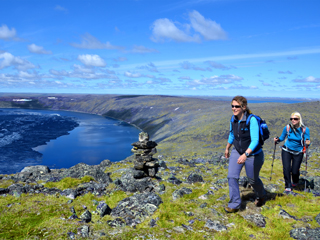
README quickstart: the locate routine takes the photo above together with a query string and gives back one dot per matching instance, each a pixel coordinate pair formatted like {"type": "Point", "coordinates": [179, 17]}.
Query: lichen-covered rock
{"type": "Point", "coordinates": [305, 233]}
{"type": "Point", "coordinates": [257, 219]}
{"type": "Point", "coordinates": [194, 177]}
{"type": "Point", "coordinates": [86, 216]}
{"type": "Point", "coordinates": [272, 188]}
{"type": "Point", "coordinates": [69, 193]}
{"type": "Point", "coordinates": [318, 218]}
{"type": "Point", "coordinates": [103, 209]}
{"type": "Point", "coordinates": [36, 170]}
{"type": "Point", "coordinates": [286, 215]}
{"type": "Point", "coordinates": [81, 169]}
{"type": "Point", "coordinates": [215, 225]}
{"type": "Point", "coordinates": [128, 183]}
{"type": "Point", "coordinates": [316, 183]}
{"type": "Point", "coordinates": [174, 180]}
{"type": "Point", "coordinates": [118, 222]}
{"type": "Point", "coordinates": [137, 208]}
{"type": "Point", "coordinates": [180, 192]}
{"type": "Point", "coordinates": [83, 231]}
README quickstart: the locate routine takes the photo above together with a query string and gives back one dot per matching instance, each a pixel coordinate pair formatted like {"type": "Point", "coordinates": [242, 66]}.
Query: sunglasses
{"type": "Point", "coordinates": [296, 119]}
{"type": "Point", "coordinates": [235, 106]}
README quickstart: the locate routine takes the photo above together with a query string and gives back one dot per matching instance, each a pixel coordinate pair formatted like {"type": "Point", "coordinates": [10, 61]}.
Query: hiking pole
{"type": "Point", "coordinates": [274, 155]}
{"type": "Point", "coordinates": [305, 181]}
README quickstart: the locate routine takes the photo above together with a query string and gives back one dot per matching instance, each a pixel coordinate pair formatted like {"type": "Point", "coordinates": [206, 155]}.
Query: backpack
{"type": "Point", "coordinates": [302, 136]}
{"type": "Point", "coordinates": [264, 132]}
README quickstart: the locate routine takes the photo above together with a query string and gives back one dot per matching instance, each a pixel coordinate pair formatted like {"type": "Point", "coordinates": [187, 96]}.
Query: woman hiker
{"type": "Point", "coordinates": [247, 152]}
{"type": "Point", "coordinates": [298, 136]}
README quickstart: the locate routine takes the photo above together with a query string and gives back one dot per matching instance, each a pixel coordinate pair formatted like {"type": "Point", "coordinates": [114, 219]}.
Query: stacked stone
{"type": "Point", "coordinates": [143, 151]}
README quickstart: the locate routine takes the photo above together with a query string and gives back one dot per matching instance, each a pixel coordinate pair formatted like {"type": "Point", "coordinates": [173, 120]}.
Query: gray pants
{"type": "Point", "coordinates": [253, 165]}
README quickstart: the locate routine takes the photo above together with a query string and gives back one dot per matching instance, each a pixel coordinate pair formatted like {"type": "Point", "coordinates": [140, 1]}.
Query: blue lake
{"type": "Point", "coordinates": [95, 139]}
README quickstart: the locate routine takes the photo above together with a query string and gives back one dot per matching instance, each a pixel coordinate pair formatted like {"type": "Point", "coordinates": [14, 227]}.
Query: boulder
{"type": "Point", "coordinates": [137, 208]}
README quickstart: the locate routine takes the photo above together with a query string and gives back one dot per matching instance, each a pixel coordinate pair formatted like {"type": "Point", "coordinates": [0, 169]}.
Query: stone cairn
{"type": "Point", "coordinates": [143, 151]}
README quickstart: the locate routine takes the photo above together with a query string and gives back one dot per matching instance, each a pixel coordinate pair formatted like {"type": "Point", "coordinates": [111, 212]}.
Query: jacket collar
{"type": "Point", "coordinates": [244, 117]}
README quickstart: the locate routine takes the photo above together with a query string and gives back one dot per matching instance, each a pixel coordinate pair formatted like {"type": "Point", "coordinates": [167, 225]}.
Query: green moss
{"type": "Point", "coordinates": [68, 182]}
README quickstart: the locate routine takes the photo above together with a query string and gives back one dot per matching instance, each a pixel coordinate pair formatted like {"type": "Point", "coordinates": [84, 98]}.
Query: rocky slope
{"type": "Point", "coordinates": [186, 198]}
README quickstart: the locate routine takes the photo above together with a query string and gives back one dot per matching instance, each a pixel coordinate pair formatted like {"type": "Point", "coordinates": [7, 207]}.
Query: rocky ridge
{"type": "Point", "coordinates": [145, 196]}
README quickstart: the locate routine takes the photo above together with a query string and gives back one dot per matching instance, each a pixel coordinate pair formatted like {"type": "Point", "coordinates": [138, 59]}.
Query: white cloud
{"type": "Point", "coordinates": [132, 75]}
{"type": "Point", "coordinates": [215, 80]}
{"type": "Point", "coordinates": [17, 62]}
{"type": "Point", "coordinates": [6, 33]}
{"type": "Point", "coordinates": [163, 29]}
{"type": "Point", "coordinates": [90, 42]}
{"type": "Point", "coordinates": [92, 60]}
{"type": "Point", "coordinates": [38, 49]}
{"type": "Point", "coordinates": [209, 29]}
{"type": "Point", "coordinates": [310, 79]}
{"type": "Point", "coordinates": [24, 74]}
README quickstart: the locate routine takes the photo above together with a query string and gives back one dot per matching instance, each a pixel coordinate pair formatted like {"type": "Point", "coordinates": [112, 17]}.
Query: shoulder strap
{"type": "Point", "coordinates": [288, 129]}
{"type": "Point", "coordinates": [232, 119]}
{"type": "Point", "coordinates": [248, 119]}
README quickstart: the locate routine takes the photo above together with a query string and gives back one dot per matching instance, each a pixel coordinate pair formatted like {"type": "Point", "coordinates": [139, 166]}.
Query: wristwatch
{"type": "Point", "coordinates": [247, 154]}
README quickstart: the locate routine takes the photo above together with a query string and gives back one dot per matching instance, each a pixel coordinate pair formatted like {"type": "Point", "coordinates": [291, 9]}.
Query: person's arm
{"type": "Point", "coordinates": [254, 135]}
{"type": "Point", "coordinates": [284, 134]}
{"type": "Point", "coordinates": [307, 136]}
{"type": "Point", "coordinates": [229, 144]}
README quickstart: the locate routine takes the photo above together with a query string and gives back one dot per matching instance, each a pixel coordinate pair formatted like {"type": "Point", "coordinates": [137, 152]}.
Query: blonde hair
{"type": "Point", "coordinates": [242, 101]}
{"type": "Point", "coordinates": [298, 115]}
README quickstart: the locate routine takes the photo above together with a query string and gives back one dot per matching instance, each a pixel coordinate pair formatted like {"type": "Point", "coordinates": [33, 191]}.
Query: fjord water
{"type": "Point", "coordinates": [95, 139]}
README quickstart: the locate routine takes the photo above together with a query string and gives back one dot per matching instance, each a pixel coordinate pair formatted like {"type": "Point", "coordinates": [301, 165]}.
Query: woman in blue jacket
{"type": "Point", "coordinates": [298, 137]}
{"type": "Point", "coordinates": [247, 152]}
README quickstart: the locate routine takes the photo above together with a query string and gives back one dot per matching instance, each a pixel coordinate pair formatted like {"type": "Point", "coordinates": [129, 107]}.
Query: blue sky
{"type": "Point", "coordinates": [267, 48]}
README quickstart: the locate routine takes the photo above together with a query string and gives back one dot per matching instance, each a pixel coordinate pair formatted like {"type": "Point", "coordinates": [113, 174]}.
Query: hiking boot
{"type": "Point", "coordinates": [231, 210]}
{"type": "Point", "coordinates": [259, 202]}
{"type": "Point", "coordinates": [294, 185]}
{"type": "Point", "coordinates": [288, 191]}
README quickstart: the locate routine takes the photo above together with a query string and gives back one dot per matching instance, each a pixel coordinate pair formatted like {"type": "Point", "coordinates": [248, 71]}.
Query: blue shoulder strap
{"type": "Point", "coordinates": [248, 119]}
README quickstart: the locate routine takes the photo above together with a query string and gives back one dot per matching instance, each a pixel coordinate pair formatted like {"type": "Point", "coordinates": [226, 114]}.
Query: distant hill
{"type": "Point", "coordinates": [181, 124]}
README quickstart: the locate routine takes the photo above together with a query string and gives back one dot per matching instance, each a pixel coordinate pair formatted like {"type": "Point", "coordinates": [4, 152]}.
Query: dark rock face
{"type": "Point", "coordinates": [103, 209]}
{"type": "Point", "coordinates": [174, 180]}
{"type": "Point", "coordinates": [194, 177]}
{"type": "Point", "coordinates": [86, 216]}
{"type": "Point", "coordinates": [128, 183]}
{"type": "Point", "coordinates": [20, 132]}
{"type": "Point", "coordinates": [137, 208]}
{"type": "Point", "coordinates": [35, 173]}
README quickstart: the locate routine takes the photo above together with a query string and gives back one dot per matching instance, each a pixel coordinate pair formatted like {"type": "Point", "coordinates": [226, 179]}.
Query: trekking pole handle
{"type": "Point", "coordinates": [278, 140]}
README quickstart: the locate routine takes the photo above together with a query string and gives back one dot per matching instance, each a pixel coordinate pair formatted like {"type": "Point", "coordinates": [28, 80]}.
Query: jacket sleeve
{"type": "Point", "coordinates": [307, 134]}
{"type": "Point", "coordinates": [284, 134]}
{"type": "Point", "coordinates": [231, 136]}
{"type": "Point", "coordinates": [254, 133]}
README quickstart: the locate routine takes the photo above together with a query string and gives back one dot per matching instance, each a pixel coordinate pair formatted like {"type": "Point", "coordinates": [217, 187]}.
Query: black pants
{"type": "Point", "coordinates": [291, 164]}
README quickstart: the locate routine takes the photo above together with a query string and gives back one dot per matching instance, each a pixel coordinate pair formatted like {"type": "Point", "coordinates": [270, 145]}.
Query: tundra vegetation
{"type": "Point", "coordinates": [191, 134]}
